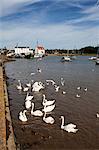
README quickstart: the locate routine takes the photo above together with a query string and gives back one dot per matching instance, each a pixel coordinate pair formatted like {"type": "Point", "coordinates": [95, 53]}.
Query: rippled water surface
{"type": "Point", "coordinates": [35, 133]}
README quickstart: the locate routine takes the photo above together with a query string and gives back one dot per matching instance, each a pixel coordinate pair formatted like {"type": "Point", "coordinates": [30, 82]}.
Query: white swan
{"type": "Point", "coordinates": [37, 86]}
{"type": "Point", "coordinates": [22, 116]}
{"type": "Point", "coordinates": [36, 112]}
{"type": "Point", "coordinates": [52, 81]}
{"type": "Point", "coordinates": [78, 88]}
{"type": "Point", "coordinates": [69, 127]}
{"type": "Point", "coordinates": [63, 92]}
{"type": "Point", "coordinates": [48, 108]}
{"type": "Point", "coordinates": [39, 70]}
{"type": "Point", "coordinates": [28, 104]}
{"type": "Point", "coordinates": [85, 89]}
{"type": "Point", "coordinates": [49, 119]}
{"type": "Point", "coordinates": [62, 82]}
{"type": "Point", "coordinates": [47, 103]}
{"type": "Point", "coordinates": [97, 115]}
{"type": "Point", "coordinates": [57, 88]}
{"type": "Point", "coordinates": [78, 96]}
{"type": "Point", "coordinates": [19, 87]}
{"type": "Point", "coordinates": [29, 97]}
{"type": "Point", "coordinates": [25, 89]}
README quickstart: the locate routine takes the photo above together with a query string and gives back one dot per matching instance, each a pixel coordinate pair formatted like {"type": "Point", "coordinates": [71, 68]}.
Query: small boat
{"type": "Point", "coordinates": [97, 61]}
{"type": "Point", "coordinates": [92, 58]}
{"type": "Point", "coordinates": [65, 58]}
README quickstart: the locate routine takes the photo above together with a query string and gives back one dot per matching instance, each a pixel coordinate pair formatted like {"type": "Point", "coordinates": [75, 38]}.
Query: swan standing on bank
{"type": "Point", "coordinates": [49, 119]}
{"type": "Point", "coordinates": [48, 108]}
{"type": "Point", "coordinates": [36, 112]}
{"type": "Point", "coordinates": [19, 87]}
{"type": "Point", "coordinates": [69, 127]}
{"type": "Point", "coordinates": [22, 116]}
{"type": "Point", "coordinates": [47, 102]}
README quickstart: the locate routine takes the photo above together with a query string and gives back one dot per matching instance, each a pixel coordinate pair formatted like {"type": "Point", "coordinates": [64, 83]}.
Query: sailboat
{"type": "Point", "coordinates": [66, 58]}
{"type": "Point", "coordinates": [97, 59]}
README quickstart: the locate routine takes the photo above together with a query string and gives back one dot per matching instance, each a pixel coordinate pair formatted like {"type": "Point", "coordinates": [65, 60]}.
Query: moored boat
{"type": "Point", "coordinates": [65, 58]}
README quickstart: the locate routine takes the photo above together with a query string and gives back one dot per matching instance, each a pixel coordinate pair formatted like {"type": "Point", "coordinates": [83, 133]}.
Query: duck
{"type": "Point", "coordinates": [19, 87]}
{"type": "Point", "coordinates": [36, 112]}
{"type": "Point", "coordinates": [49, 120]}
{"type": "Point", "coordinates": [28, 104]}
{"type": "Point", "coordinates": [29, 97]}
{"type": "Point", "coordinates": [69, 127]}
{"type": "Point", "coordinates": [47, 102]}
{"type": "Point", "coordinates": [22, 116]}
{"type": "Point", "coordinates": [48, 108]}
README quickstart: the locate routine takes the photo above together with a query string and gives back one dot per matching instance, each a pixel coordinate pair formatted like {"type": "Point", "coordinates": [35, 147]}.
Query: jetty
{"type": "Point", "coordinates": [7, 140]}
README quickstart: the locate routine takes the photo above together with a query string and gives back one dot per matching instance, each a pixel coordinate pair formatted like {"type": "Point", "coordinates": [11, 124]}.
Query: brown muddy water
{"type": "Point", "coordinates": [35, 134]}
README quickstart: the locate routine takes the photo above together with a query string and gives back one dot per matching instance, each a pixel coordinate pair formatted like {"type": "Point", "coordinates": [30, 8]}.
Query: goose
{"type": "Point", "coordinates": [29, 97]}
{"type": "Point", "coordinates": [47, 103]}
{"type": "Point", "coordinates": [77, 95]}
{"type": "Point", "coordinates": [22, 116]}
{"type": "Point", "coordinates": [97, 115]}
{"type": "Point", "coordinates": [19, 87]}
{"type": "Point", "coordinates": [28, 104]}
{"type": "Point", "coordinates": [48, 108]}
{"type": "Point", "coordinates": [36, 112]}
{"type": "Point", "coordinates": [49, 119]}
{"type": "Point", "coordinates": [69, 127]}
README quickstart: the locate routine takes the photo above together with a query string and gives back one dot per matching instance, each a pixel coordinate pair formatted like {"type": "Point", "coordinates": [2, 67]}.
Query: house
{"type": "Point", "coordinates": [39, 51]}
{"type": "Point", "coordinates": [23, 51]}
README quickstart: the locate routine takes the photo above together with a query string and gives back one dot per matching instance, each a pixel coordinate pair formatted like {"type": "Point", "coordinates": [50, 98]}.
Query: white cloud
{"type": "Point", "coordinates": [53, 36]}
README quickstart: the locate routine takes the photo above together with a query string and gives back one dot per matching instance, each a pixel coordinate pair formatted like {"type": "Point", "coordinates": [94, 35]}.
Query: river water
{"type": "Point", "coordinates": [35, 134]}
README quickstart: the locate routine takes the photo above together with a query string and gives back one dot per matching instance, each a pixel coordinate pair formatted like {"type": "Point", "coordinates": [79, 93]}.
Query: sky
{"type": "Point", "coordinates": [64, 24]}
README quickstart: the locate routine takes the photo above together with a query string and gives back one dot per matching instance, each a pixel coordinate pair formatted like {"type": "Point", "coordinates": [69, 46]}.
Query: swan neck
{"type": "Point", "coordinates": [62, 125]}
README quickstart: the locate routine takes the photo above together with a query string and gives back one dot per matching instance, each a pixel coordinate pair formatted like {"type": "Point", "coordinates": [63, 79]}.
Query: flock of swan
{"type": "Point", "coordinates": [48, 105]}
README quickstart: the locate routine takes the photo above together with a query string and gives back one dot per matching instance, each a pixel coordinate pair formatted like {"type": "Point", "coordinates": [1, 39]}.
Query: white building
{"type": "Point", "coordinates": [23, 50]}
{"type": "Point", "coordinates": [39, 51]}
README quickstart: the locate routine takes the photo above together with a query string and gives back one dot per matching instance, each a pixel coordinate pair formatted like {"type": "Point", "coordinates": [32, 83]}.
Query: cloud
{"type": "Point", "coordinates": [51, 36]}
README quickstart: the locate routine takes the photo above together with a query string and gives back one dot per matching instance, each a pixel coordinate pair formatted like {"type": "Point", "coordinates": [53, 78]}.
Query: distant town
{"type": "Point", "coordinates": [40, 51]}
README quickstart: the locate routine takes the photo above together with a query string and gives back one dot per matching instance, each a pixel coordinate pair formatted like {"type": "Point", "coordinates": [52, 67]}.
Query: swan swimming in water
{"type": "Point", "coordinates": [36, 112]}
{"type": "Point", "coordinates": [78, 88]}
{"type": "Point", "coordinates": [22, 116]}
{"type": "Point", "coordinates": [29, 97]}
{"type": "Point", "coordinates": [69, 127]}
{"type": "Point", "coordinates": [19, 87]}
{"type": "Point", "coordinates": [37, 86]}
{"type": "Point", "coordinates": [97, 115]}
{"type": "Point", "coordinates": [49, 119]}
{"type": "Point", "coordinates": [78, 96]}
{"type": "Point", "coordinates": [28, 104]}
{"type": "Point", "coordinates": [48, 108]}
{"type": "Point", "coordinates": [47, 103]}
